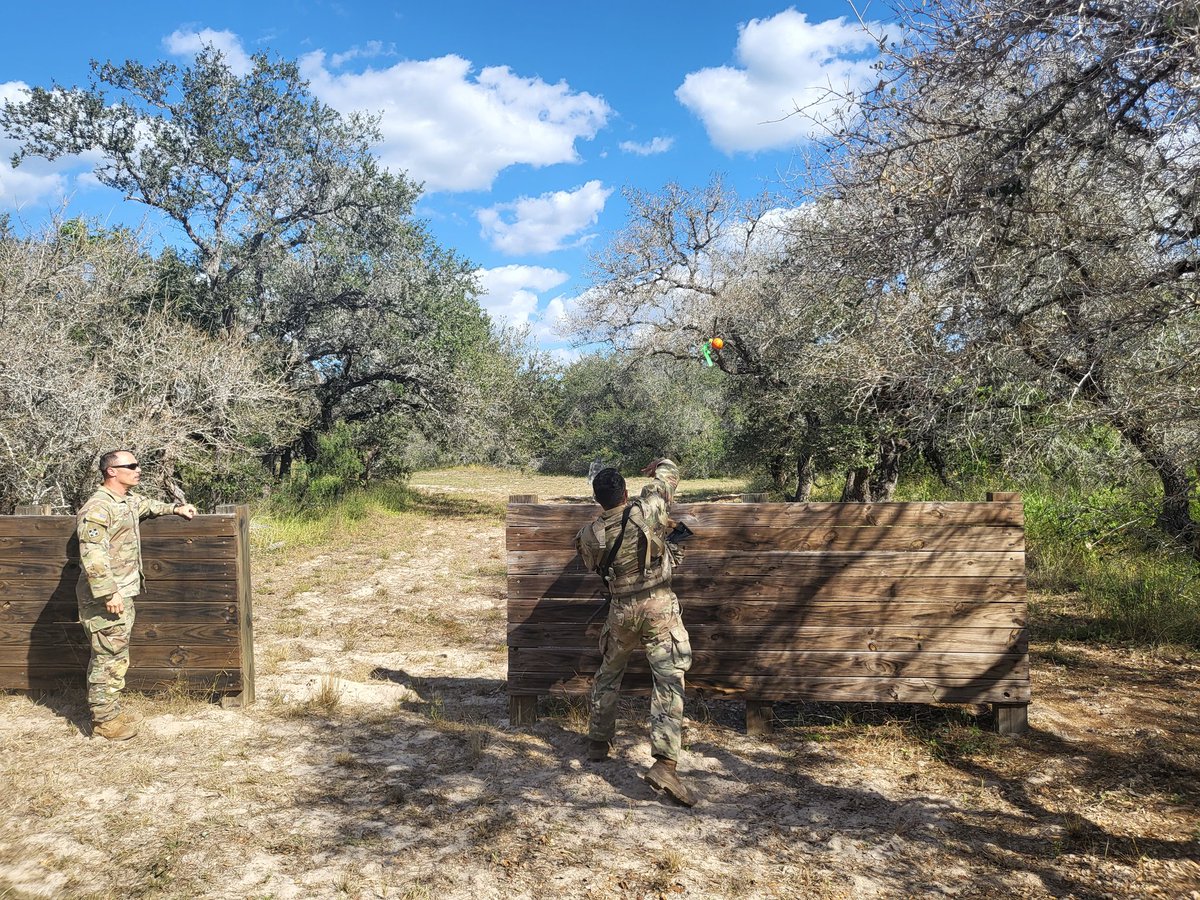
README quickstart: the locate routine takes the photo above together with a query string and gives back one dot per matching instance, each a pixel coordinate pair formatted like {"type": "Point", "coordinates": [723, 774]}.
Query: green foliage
{"type": "Point", "coordinates": [626, 410]}
{"type": "Point", "coordinates": [236, 480]}
{"type": "Point", "coordinates": [332, 478]}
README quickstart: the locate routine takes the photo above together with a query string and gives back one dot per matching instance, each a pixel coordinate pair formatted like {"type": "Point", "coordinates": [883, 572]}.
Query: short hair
{"type": "Point", "coordinates": [110, 459]}
{"type": "Point", "coordinates": [608, 487]}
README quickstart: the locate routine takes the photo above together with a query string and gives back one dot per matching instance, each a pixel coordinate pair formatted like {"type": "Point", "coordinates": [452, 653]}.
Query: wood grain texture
{"type": "Point", "coordinates": [166, 654]}
{"type": "Point", "coordinates": [911, 602]}
{"type": "Point", "coordinates": [838, 586]}
{"type": "Point", "coordinates": [145, 634]}
{"type": "Point", "coordinates": [192, 618]}
{"type": "Point", "coordinates": [909, 538]}
{"type": "Point", "coordinates": [800, 565]}
{"type": "Point", "coordinates": [787, 515]}
{"type": "Point", "coordinates": [784, 614]}
{"type": "Point", "coordinates": [789, 636]}
{"type": "Point", "coordinates": [195, 569]}
{"type": "Point", "coordinates": [165, 527]}
{"type": "Point", "coordinates": [931, 664]}
{"type": "Point", "coordinates": [139, 678]}
{"type": "Point", "coordinates": [47, 612]}
{"type": "Point", "coordinates": [778, 687]}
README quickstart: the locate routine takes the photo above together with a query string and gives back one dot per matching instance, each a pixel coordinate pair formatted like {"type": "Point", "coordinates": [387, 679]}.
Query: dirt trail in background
{"type": "Point", "coordinates": [379, 764]}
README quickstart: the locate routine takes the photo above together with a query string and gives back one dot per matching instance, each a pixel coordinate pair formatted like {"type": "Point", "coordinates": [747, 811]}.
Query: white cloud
{"type": "Point", "coordinates": [786, 62]}
{"type": "Point", "coordinates": [454, 128]}
{"type": "Point", "coordinates": [542, 224]}
{"type": "Point", "coordinates": [650, 148]}
{"type": "Point", "coordinates": [368, 50]}
{"type": "Point", "coordinates": [189, 43]}
{"type": "Point", "coordinates": [36, 181]}
{"type": "Point", "coordinates": [510, 295]}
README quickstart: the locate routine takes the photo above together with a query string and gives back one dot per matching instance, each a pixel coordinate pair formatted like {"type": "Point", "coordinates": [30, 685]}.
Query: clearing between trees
{"type": "Point", "coordinates": [379, 763]}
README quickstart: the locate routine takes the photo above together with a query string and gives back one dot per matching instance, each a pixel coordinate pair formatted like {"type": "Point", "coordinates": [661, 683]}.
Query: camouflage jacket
{"type": "Point", "coordinates": [640, 565]}
{"type": "Point", "coordinates": [110, 544]}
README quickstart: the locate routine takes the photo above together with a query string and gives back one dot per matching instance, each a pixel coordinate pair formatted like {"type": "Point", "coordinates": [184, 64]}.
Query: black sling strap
{"type": "Point", "coordinates": [611, 556]}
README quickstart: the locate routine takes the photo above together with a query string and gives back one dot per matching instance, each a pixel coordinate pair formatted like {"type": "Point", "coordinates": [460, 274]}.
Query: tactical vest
{"type": "Point", "coordinates": [654, 562]}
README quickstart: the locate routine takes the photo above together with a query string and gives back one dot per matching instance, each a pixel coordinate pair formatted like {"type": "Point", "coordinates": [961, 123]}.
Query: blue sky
{"type": "Point", "coordinates": [524, 121]}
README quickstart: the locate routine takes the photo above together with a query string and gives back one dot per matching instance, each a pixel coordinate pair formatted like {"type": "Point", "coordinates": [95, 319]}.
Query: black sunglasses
{"type": "Point", "coordinates": [127, 466]}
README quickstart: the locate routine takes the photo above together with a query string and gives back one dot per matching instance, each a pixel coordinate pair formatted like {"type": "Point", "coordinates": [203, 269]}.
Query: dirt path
{"type": "Point", "coordinates": [379, 764]}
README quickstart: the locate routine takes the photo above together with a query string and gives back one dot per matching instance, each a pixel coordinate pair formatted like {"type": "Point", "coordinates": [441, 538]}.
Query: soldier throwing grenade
{"type": "Point", "coordinates": [626, 546]}
{"type": "Point", "coordinates": [111, 552]}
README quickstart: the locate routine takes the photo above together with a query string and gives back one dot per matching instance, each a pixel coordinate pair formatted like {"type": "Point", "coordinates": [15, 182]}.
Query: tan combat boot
{"type": "Point", "coordinates": [662, 776]}
{"type": "Point", "coordinates": [122, 728]}
{"type": "Point", "coordinates": [598, 750]}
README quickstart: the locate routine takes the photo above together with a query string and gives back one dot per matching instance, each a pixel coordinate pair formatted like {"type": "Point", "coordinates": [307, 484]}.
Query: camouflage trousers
{"type": "Point", "coordinates": [652, 621]}
{"type": "Point", "coordinates": [109, 637]}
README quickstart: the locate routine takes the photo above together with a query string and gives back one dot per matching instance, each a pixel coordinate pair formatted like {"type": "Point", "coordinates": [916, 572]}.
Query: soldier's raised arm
{"type": "Point", "coordinates": [658, 495]}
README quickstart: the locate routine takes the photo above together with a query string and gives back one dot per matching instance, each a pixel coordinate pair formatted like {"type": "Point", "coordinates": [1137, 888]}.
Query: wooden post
{"type": "Point", "coordinates": [760, 718]}
{"type": "Point", "coordinates": [245, 598]}
{"type": "Point", "coordinates": [522, 708]}
{"type": "Point", "coordinates": [1011, 718]}
{"type": "Point", "coordinates": [34, 509]}
{"type": "Point", "coordinates": [756, 498]}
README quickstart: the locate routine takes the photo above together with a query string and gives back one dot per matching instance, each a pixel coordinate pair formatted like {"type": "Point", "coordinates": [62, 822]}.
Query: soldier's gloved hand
{"type": "Point", "coordinates": [115, 604]}
{"type": "Point", "coordinates": [186, 510]}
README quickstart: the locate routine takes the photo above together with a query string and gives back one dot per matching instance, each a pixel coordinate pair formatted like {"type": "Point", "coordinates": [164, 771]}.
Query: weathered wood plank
{"type": "Point", "coordinates": [792, 636]}
{"type": "Point", "coordinates": [25, 547]}
{"type": "Point", "coordinates": [15, 612]}
{"type": "Point", "coordinates": [690, 588]}
{"type": "Point", "coordinates": [245, 605]}
{"type": "Point", "coordinates": [182, 569]}
{"type": "Point", "coordinates": [777, 613]}
{"type": "Point", "coordinates": [748, 538]}
{"type": "Point", "coordinates": [16, 596]}
{"type": "Point", "coordinates": [781, 662]}
{"type": "Point", "coordinates": [777, 687]}
{"type": "Point", "coordinates": [777, 515]}
{"type": "Point", "coordinates": [885, 564]}
{"type": "Point", "coordinates": [139, 678]}
{"type": "Point", "coordinates": [522, 709]}
{"type": "Point", "coordinates": [156, 655]}
{"type": "Point", "coordinates": [145, 634]}
{"type": "Point", "coordinates": [760, 718]}
{"type": "Point", "coordinates": [1011, 718]}
{"type": "Point", "coordinates": [165, 527]}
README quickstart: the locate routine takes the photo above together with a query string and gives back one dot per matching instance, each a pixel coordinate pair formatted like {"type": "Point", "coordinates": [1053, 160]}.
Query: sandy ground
{"type": "Point", "coordinates": [379, 763]}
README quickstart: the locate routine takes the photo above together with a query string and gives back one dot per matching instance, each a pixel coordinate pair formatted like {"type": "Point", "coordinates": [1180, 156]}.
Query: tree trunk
{"type": "Point", "coordinates": [857, 485]}
{"type": "Point", "coordinates": [806, 475]}
{"type": "Point", "coordinates": [1175, 515]}
{"type": "Point", "coordinates": [285, 463]}
{"type": "Point", "coordinates": [887, 469]}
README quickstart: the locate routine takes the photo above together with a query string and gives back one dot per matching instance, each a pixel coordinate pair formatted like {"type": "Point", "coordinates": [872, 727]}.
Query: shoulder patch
{"type": "Point", "coordinates": [97, 513]}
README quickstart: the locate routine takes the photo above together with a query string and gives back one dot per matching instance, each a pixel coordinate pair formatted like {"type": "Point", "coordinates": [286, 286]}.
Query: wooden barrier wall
{"type": "Point", "coordinates": [193, 619]}
{"type": "Point", "coordinates": [909, 602]}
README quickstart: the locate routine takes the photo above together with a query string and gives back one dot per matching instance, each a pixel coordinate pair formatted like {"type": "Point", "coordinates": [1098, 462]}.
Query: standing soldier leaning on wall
{"type": "Point", "coordinates": [110, 550]}
{"type": "Point", "coordinates": [626, 546]}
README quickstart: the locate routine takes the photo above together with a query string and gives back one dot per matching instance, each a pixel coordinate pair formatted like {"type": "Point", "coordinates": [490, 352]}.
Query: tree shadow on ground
{"type": "Point", "coordinates": [450, 771]}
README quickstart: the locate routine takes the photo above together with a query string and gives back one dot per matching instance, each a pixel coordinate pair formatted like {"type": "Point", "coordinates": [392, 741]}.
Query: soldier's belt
{"type": "Point", "coordinates": [640, 595]}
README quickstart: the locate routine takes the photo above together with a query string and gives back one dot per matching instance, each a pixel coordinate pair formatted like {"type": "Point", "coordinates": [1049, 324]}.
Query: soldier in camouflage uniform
{"type": "Point", "coordinates": [643, 612]}
{"type": "Point", "coordinates": [110, 551]}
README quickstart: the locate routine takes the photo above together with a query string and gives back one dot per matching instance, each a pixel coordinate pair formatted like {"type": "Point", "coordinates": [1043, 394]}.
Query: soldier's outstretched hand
{"type": "Point", "coordinates": [186, 510]}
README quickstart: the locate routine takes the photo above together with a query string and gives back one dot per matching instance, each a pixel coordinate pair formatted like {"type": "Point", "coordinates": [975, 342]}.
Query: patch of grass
{"type": "Point", "coordinates": [327, 698]}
